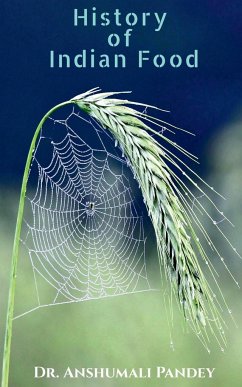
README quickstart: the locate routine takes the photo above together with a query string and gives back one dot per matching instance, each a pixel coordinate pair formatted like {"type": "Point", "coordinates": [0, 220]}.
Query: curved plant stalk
{"type": "Point", "coordinates": [15, 254]}
{"type": "Point", "coordinates": [167, 199]}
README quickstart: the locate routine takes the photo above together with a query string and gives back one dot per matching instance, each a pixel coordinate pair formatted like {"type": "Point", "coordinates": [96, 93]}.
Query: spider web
{"type": "Point", "coordinates": [85, 237]}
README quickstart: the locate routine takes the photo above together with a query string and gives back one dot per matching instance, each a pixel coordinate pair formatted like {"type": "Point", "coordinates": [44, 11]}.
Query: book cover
{"type": "Point", "coordinates": [127, 251]}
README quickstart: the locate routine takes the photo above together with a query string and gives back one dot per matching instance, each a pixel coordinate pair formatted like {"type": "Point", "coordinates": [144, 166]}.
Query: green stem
{"type": "Point", "coordinates": [15, 254]}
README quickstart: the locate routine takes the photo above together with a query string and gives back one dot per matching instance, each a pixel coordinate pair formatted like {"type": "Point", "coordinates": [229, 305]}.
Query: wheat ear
{"type": "Point", "coordinates": [176, 238]}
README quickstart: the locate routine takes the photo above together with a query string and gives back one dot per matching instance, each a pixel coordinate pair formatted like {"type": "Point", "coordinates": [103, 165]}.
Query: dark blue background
{"type": "Point", "coordinates": [201, 100]}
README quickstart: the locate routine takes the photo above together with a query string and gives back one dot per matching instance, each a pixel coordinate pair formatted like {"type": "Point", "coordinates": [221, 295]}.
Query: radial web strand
{"type": "Point", "coordinates": [84, 234]}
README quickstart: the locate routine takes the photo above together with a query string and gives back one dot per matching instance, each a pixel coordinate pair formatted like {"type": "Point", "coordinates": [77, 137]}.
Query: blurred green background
{"type": "Point", "coordinates": [129, 331]}
{"type": "Point", "coordinates": [126, 331]}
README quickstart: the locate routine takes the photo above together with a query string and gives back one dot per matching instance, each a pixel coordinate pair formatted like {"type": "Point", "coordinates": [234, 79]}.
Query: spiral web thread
{"type": "Point", "coordinates": [85, 237]}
